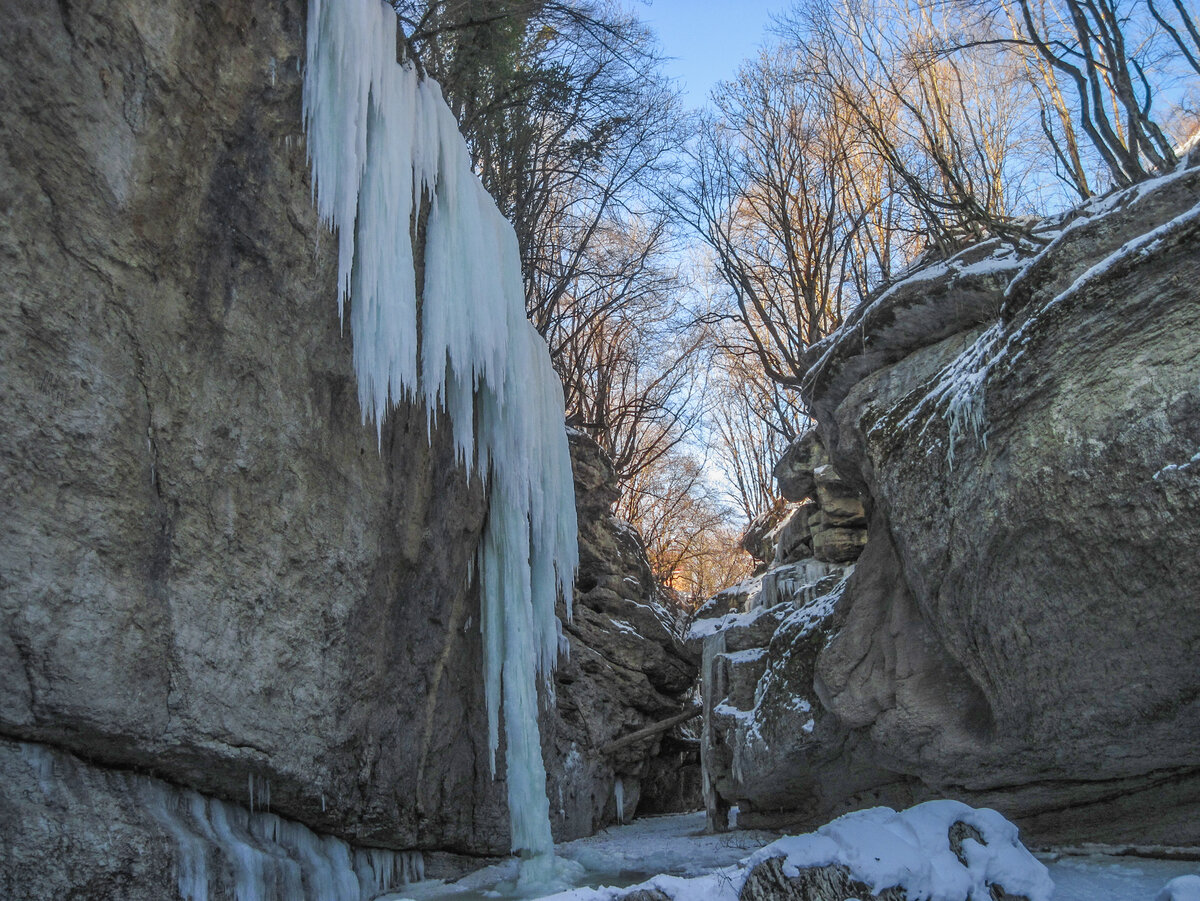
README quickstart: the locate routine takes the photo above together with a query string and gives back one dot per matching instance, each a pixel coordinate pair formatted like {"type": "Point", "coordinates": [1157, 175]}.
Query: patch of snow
{"type": "Point", "coordinates": [747, 656]}
{"type": "Point", "coordinates": [1140, 246]}
{"type": "Point", "coordinates": [737, 713]}
{"type": "Point", "coordinates": [810, 616]}
{"type": "Point", "coordinates": [625, 627]}
{"type": "Point", "coordinates": [911, 849]}
{"type": "Point", "coordinates": [1182, 888]}
{"type": "Point", "coordinates": [1177, 467]}
{"type": "Point", "coordinates": [702, 628]}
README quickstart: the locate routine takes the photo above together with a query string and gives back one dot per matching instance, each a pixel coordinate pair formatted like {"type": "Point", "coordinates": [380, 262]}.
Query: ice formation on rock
{"type": "Point", "coordinates": [226, 850]}
{"type": "Point", "coordinates": [379, 139]}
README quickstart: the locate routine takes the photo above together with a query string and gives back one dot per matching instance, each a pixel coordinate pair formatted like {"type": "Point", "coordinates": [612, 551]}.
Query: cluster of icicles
{"type": "Point", "coordinates": [379, 137]}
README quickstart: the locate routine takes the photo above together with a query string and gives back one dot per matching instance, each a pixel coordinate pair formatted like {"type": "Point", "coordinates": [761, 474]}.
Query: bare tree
{"type": "Point", "coordinates": [1085, 40]}
{"type": "Point", "coordinates": [945, 122]}
{"type": "Point", "coordinates": [631, 362]}
{"type": "Point", "coordinates": [689, 542]}
{"type": "Point", "coordinates": [753, 420]}
{"type": "Point", "coordinates": [772, 191]}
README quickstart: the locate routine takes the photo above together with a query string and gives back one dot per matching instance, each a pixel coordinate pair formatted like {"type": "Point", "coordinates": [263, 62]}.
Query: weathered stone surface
{"type": "Point", "coordinates": [768, 882]}
{"type": "Point", "coordinates": [794, 471]}
{"type": "Point", "coordinates": [932, 303]}
{"type": "Point", "coordinates": [1071, 633]}
{"type": "Point", "coordinates": [793, 537]}
{"type": "Point", "coordinates": [760, 537]}
{"type": "Point", "coordinates": [210, 569]}
{"type": "Point", "coordinates": [1097, 230]}
{"type": "Point", "coordinates": [840, 505]}
{"type": "Point", "coordinates": [209, 566]}
{"type": "Point", "coordinates": [1016, 630]}
{"type": "Point", "coordinates": [627, 668]}
{"type": "Point", "coordinates": [838, 545]}
{"type": "Point", "coordinates": [832, 524]}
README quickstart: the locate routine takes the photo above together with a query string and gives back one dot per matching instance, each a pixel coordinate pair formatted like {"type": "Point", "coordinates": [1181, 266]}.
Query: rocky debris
{"type": "Point", "coordinates": [627, 668]}
{"type": "Point", "coordinates": [998, 641]}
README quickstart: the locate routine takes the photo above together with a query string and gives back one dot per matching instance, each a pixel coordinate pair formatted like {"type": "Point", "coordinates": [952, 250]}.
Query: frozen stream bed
{"type": "Point", "coordinates": [677, 846]}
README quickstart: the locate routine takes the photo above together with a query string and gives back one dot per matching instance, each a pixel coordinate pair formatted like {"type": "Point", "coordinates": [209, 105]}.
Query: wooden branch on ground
{"type": "Point", "coordinates": [650, 731]}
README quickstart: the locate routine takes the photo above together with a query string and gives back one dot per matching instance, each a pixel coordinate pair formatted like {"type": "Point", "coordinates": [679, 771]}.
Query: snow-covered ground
{"type": "Point", "coordinates": [699, 866]}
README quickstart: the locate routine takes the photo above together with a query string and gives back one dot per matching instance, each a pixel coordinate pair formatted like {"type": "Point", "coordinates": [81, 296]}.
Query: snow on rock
{"type": "Point", "coordinates": [920, 850]}
{"type": "Point", "coordinates": [913, 849]}
{"type": "Point", "coordinates": [1182, 888]}
{"type": "Point", "coordinates": [380, 138]}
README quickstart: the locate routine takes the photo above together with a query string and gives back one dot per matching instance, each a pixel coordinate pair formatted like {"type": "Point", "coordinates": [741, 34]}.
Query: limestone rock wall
{"type": "Point", "coordinates": [211, 572]}
{"type": "Point", "coordinates": [209, 569]}
{"type": "Point", "coordinates": [1020, 630]}
{"type": "Point", "coordinates": [625, 667]}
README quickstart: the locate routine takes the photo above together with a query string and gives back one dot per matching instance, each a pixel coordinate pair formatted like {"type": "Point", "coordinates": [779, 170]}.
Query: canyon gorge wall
{"type": "Point", "coordinates": [1022, 427]}
{"type": "Point", "coordinates": [215, 581]}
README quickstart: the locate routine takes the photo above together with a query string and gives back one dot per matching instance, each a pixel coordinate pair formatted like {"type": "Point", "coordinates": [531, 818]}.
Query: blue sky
{"type": "Point", "coordinates": [707, 39]}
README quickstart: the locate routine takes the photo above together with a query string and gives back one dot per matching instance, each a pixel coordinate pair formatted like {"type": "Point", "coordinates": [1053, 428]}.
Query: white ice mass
{"type": "Point", "coordinates": [379, 137]}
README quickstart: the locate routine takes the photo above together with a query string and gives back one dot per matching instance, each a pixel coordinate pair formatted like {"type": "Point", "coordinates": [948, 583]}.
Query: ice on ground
{"type": "Point", "coordinates": [673, 854]}
{"type": "Point", "coordinates": [1100, 877]}
{"type": "Point", "coordinates": [667, 847]}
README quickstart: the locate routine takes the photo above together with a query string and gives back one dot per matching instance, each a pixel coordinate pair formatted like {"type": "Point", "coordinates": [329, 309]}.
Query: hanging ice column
{"type": "Point", "coordinates": [378, 136]}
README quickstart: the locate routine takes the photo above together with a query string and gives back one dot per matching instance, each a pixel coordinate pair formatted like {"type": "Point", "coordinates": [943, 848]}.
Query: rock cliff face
{"type": "Point", "coordinates": [211, 572]}
{"type": "Point", "coordinates": [627, 668]}
{"type": "Point", "coordinates": [210, 568]}
{"type": "Point", "coordinates": [1021, 628]}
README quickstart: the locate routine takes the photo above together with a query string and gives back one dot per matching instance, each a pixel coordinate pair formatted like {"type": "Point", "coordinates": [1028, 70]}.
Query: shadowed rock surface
{"type": "Point", "coordinates": [627, 668]}
{"type": "Point", "coordinates": [211, 571]}
{"type": "Point", "coordinates": [1020, 630]}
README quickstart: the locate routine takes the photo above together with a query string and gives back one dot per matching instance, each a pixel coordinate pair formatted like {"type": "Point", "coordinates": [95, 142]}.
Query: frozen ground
{"type": "Point", "coordinates": [677, 846]}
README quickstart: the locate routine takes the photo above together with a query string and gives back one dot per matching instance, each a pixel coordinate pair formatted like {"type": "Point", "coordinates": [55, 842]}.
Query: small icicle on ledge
{"type": "Point", "coordinates": [379, 137]}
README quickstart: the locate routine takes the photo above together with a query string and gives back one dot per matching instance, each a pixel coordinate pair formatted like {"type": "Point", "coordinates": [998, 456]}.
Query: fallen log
{"type": "Point", "coordinates": [650, 731]}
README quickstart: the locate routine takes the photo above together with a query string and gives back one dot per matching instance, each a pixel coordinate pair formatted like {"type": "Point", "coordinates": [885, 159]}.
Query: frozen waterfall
{"type": "Point", "coordinates": [379, 138]}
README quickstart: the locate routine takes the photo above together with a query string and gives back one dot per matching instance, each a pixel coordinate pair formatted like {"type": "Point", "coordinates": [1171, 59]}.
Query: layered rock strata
{"type": "Point", "coordinates": [1019, 630]}
{"type": "Point", "coordinates": [626, 669]}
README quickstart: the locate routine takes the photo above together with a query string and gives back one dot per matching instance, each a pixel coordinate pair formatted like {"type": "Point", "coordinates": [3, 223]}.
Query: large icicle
{"type": "Point", "coordinates": [378, 137]}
